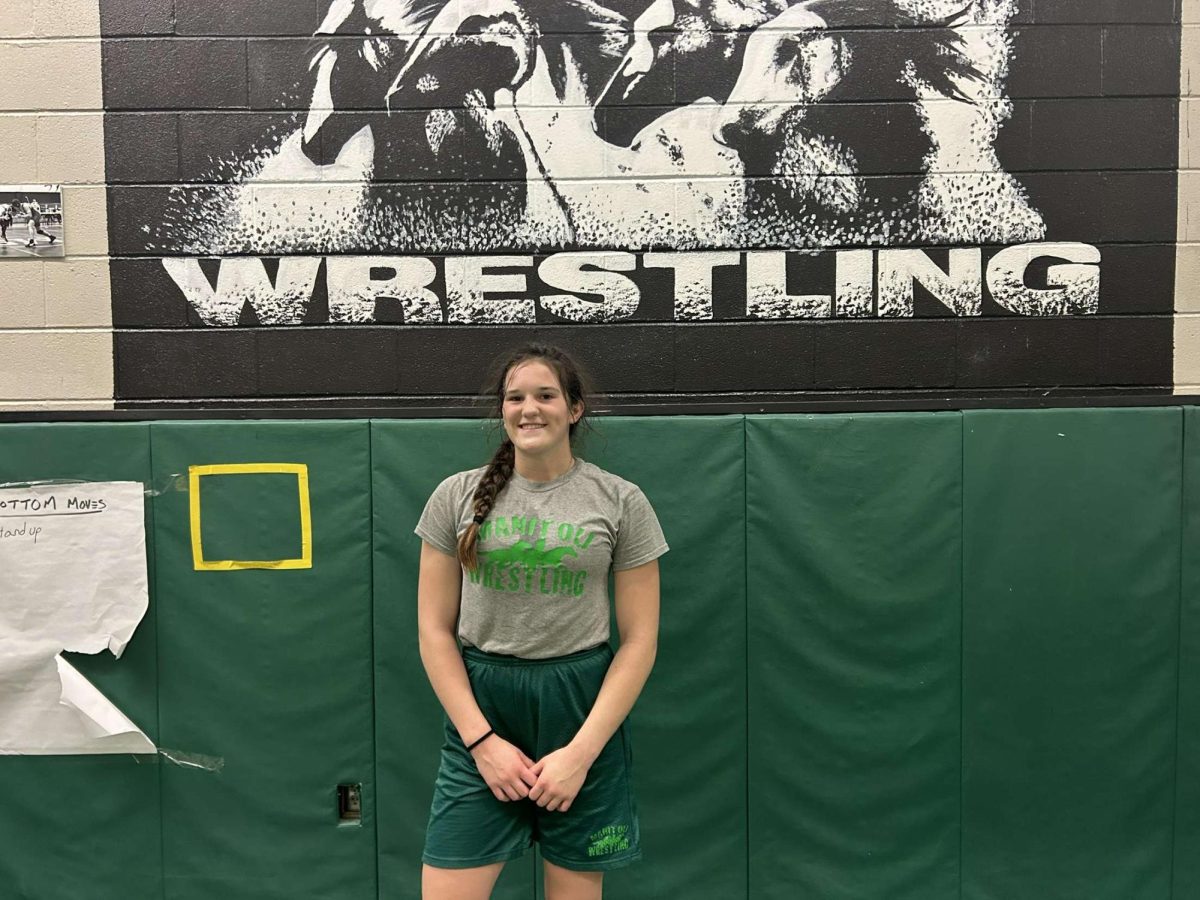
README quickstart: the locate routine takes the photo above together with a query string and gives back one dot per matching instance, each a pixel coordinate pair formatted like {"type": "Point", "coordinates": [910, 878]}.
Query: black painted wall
{"type": "Point", "coordinates": [196, 91]}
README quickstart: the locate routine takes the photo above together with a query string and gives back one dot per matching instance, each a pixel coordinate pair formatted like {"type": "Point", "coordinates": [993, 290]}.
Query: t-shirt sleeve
{"type": "Point", "coordinates": [639, 536]}
{"type": "Point", "coordinates": [438, 525]}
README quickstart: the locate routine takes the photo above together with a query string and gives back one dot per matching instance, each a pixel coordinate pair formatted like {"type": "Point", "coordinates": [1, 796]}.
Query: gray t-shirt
{"type": "Point", "coordinates": [545, 551]}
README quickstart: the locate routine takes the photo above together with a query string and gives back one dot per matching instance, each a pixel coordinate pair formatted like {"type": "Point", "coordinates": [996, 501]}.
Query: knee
{"type": "Point", "coordinates": [459, 884]}
{"type": "Point", "coordinates": [567, 884]}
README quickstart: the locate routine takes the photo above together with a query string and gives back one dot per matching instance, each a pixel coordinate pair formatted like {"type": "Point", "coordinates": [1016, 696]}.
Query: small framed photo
{"type": "Point", "coordinates": [31, 221]}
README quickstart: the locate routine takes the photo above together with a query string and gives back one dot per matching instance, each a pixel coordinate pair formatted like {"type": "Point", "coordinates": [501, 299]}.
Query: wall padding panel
{"type": "Point", "coordinates": [853, 580]}
{"type": "Point", "coordinates": [1187, 803]}
{"type": "Point", "coordinates": [408, 460]}
{"type": "Point", "coordinates": [86, 826]}
{"type": "Point", "coordinates": [269, 670]}
{"type": "Point", "coordinates": [1070, 653]}
{"type": "Point", "coordinates": [689, 724]}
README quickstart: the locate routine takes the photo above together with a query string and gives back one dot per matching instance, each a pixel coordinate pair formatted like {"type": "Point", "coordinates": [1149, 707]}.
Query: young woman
{"type": "Point", "coordinates": [515, 562]}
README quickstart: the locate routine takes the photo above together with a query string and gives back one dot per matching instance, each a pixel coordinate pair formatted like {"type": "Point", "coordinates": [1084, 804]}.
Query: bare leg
{"type": "Point", "coordinates": [565, 884]}
{"type": "Point", "coordinates": [459, 884]}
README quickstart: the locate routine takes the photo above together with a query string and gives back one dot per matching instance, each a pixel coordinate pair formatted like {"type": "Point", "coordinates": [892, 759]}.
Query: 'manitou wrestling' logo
{"type": "Point", "coordinates": [526, 564]}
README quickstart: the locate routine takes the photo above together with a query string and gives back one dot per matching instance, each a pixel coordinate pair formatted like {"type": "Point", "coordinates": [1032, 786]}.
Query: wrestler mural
{"type": "Point", "coordinates": [694, 124]}
{"type": "Point", "coordinates": [463, 162]}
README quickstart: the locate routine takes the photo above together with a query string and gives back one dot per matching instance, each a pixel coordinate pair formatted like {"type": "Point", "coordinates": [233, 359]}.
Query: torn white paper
{"type": "Point", "coordinates": [74, 564]}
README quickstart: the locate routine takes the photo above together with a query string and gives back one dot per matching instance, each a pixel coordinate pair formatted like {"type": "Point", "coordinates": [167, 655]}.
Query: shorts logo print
{"type": "Point", "coordinates": [609, 839]}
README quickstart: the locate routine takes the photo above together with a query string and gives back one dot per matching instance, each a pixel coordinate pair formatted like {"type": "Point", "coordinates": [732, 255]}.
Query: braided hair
{"type": "Point", "coordinates": [575, 387]}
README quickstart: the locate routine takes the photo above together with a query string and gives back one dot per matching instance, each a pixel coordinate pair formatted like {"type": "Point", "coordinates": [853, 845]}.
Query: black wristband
{"type": "Point", "coordinates": [481, 740]}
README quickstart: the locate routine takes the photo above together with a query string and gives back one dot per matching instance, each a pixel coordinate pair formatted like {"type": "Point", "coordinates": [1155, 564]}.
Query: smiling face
{"type": "Point", "coordinates": [537, 414]}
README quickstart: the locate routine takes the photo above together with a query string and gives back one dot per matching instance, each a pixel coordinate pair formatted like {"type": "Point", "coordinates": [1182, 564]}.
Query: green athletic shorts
{"type": "Point", "coordinates": [538, 705]}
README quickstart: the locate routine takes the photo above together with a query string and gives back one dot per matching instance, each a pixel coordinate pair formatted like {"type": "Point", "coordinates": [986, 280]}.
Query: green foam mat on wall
{"type": "Point", "coordinates": [1071, 604]}
{"type": "Point", "coordinates": [268, 670]}
{"type": "Point", "coordinates": [689, 724]}
{"type": "Point", "coordinates": [86, 826]}
{"type": "Point", "coordinates": [409, 459]}
{"type": "Point", "coordinates": [1187, 803]}
{"type": "Point", "coordinates": [866, 622]}
{"type": "Point", "coordinates": [853, 553]}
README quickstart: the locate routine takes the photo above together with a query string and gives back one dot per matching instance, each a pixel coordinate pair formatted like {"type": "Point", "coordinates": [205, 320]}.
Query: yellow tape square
{"type": "Point", "coordinates": [300, 470]}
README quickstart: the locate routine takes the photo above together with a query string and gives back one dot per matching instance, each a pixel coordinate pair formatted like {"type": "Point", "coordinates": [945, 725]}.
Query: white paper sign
{"type": "Point", "coordinates": [72, 577]}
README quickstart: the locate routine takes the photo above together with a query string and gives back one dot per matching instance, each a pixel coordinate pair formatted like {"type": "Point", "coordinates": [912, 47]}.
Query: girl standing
{"type": "Point", "coordinates": [514, 562]}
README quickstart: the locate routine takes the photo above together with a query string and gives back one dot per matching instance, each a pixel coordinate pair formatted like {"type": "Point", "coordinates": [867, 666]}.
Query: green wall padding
{"type": "Point", "coordinates": [408, 459]}
{"type": "Point", "coordinates": [1070, 632]}
{"type": "Point", "coordinates": [901, 656]}
{"type": "Point", "coordinates": [853, 542]}
{"type": "Point", "coordinates": [1187, 803]}
{"type": "Point", "coordinates": [689, 724]}
{"type": "Point", "coordinates": [269, 671]}
{"type": "Point", "coordinates": [85, 826]}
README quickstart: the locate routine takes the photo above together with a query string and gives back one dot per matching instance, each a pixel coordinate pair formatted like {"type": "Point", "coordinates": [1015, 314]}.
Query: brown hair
{"type": "Point", "coordinates": [575, 386]}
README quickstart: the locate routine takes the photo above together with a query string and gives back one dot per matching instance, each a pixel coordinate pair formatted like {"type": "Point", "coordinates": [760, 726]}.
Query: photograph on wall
{"type": "Point", "coordinates": [31, 221]}
{"type": "Point", "coordinates": [998, 176]}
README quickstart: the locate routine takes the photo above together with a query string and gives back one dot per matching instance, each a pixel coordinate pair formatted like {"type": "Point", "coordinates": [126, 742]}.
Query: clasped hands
{"type": "Point", "coordinates": [551, 782]}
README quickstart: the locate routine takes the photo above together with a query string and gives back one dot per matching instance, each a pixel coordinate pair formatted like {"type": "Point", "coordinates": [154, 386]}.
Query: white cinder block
{"type": "Point", "coordinates": [1188, 225]}
{"type": "Point", "coordinates": [1189, 133]}
{"type": "Point", "coordinates": [1189, 71]}
{"type": "Point", "coordinates": [53, 405]}
{"type": "Point", "coordinates": [66, 18]}
{"type": "Point", "coordinates": [1191, 11]}
{"type": "Point", "coordinates": [70, 148]}
{"type": "Point", "coordinates": [17, 18]}
{"type": "Point", "coordinates": [1187, 278]}
{"type": "Point", "coordinates": [85, 220]}
{"type": "Point", "coordinates": [24, 303]}
{"type": "Point", "coordinates": [56, 365]}
{"type": "Point", "coordinates": [68, 75]}
{"type": "Point", "coordinates": [1187, 349]}
{"type": "Point", "coordinates": [78, 293]}
{"type": "Point", "coordinates": [18, 148]}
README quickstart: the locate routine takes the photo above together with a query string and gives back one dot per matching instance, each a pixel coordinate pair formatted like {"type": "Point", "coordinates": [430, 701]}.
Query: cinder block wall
{"type": "Point", "coordinates": [55, 315]}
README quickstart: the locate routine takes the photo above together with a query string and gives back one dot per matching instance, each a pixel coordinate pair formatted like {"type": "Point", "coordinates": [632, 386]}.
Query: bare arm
{"type": "Point", "coordinates": [561, 773]}
{"type": "Point", "coordinates": [637, 606]}
{"type": "Point", "coordinates": [439, 591]}
{"type": "Point", "coordinates": [438, 594]}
